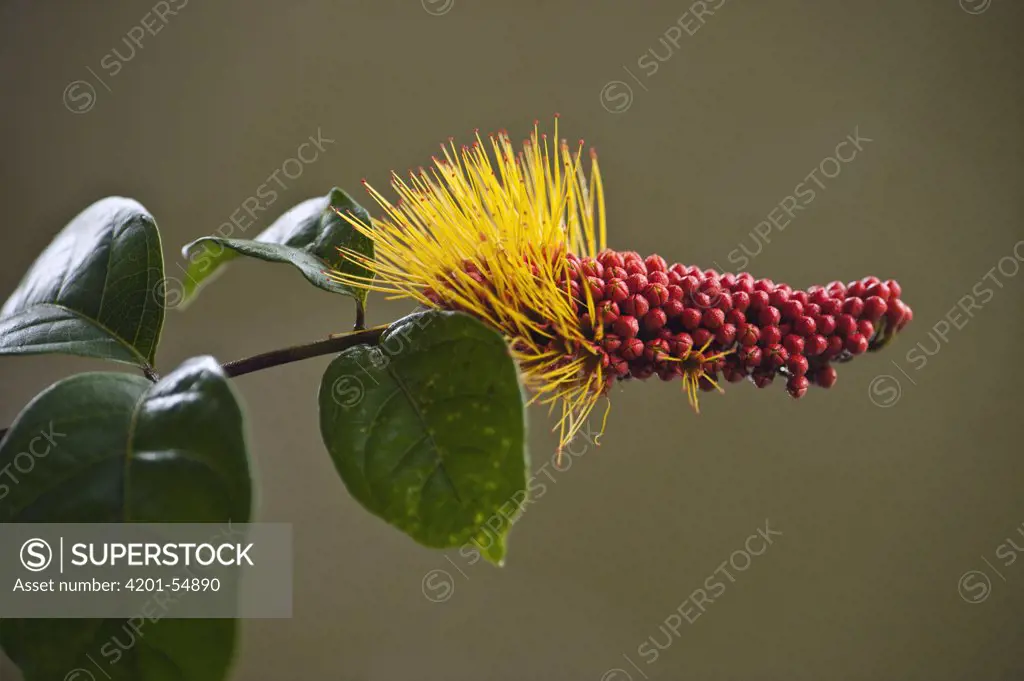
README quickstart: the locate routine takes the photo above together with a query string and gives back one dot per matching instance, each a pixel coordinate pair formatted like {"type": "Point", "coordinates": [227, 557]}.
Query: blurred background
{"type": "Point", "coordinates": [895, 493]}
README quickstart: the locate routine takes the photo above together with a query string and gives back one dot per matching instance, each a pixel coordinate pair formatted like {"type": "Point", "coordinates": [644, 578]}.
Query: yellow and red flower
{"type": "Point", "coordinates": [518, 240]}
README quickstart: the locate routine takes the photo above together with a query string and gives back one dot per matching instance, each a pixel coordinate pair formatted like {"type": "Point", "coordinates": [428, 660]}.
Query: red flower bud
{"type": "Point", "coordinates": [762, 378]}
{"type": "Point", "coordinates": [797, 365]}
{"type": "Point", "coordinates": [636, 267]}
{"type": "Point", "coordinates": [768, 316]}
{"type": "Point", "coordinates": [846, 325]}
{"type": "Point", "coordinates": [701, 300]}
{"type": "Point", "coordinates": [607, 311]}
{"type": "Point", "coordinates": [880, 290]}
{"type": "Point", "coordinates": [656, 350]}
{"type": "Point", "coordinates": [748, 334]}
{"type": "Point", "coordinates": [591, 267]}
{"type": "Point", "coordinates": [797, 386]}
{"type": "Point", "coordinates": [835, 346]}
{"type": "Point", "coordinates": [611, 343]}
{"type": "Point", "coordinates": [896, 313]}
{"type": "Point", "coordinates": [635, 305]}
{"type": "Point", "coordinates": [655, 319]}
{"type": "Point", "coordinates": [691, 318]}
{"type": "Point", "coordinates": [615, 290]}
{"type": "Point", "coordinates": [793, 343]}
{"type": "Point", "coordinates": [815, 345]}
{"type": "Point", "coordinates": [726, 335]}
{"type": "Point", "coordinates": [626, 326]}
{"type": "Point", "coordinates": [734, 372]}
{"type": "Point", "coordinates": [713, 319]}
{"type": "Point", "coordinates": [689, 284]}
{"type": "Point", "coordinates": [750, 356]}
{"type": "Point", "coordinates": [658, 278]}
{"type": "Point", "coordinates": [791, 309]}
{"type": "Point", "coordinates": [743, 285]}
{"type": "Point", "coordinates": [615, 273]}
{"type": "Point", "coordinates": [701, 337]}
{"type": "Point", "coordinates": [825, 376]}
{"type": "Point", "coordinates": [804, 326]}
{"type": "Point", "coordinates": [656, 294]}
{"type": "Point", "coordinates": [610, 258]}
{"type": "Point", "coordinates": [874, 308]}
{"type": "Point", "coordinates": [680, 345]}
{"type": "Point", "coordinates": [656, 263]}
{"type": "Point", "coordinates": [825, 324]}
{"type": "Point", "coordinates": [770, 335]}
{"type": "Point", "coordinates": [673, 308]}
{"type": "Point", "coordinates": [836, 288]}
{"type": "Point", "coordinates": [632, 348]}
{"type": "Point", "coordinates": [758, 300]}
{"type": "Point", "coordinates": [776, 356]}
{"type": "Point", "coordinates": [856, 344]}
{"type": "Point", "coordinates": [636, 282]}
{"type": "Point", "coordinates": [853, 306]}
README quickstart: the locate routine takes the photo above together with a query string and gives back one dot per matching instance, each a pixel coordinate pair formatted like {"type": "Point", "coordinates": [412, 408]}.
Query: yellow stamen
{"type": "Point", "coordinates": [514, 217]}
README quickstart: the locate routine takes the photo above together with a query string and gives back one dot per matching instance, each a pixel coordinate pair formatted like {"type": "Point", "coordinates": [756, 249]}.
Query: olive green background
{"type": "Point", "coordinates": [882, 510]}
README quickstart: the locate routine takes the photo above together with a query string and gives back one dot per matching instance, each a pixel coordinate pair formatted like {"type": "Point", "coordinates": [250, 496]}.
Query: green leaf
{"type": "Point", "coordinates": [307, 236]}
{"type": "Point", "coordinates": [109, 447]}
{"type": "Point", "coordinates": [94, 291]}
{"type": "Point", "coordinates": [427, 430]}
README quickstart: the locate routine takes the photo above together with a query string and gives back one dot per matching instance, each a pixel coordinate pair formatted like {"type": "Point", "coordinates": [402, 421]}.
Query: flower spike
{"type": "Point", "coordinates": [518, 240]}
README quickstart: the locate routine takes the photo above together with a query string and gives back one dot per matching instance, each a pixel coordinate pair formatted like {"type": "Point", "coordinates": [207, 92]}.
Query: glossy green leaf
{"type": "Point", "coordinates": [427, 430]}
{"type": "Point", "coordinates": [307, 236]}
{"type": "Point", "coordinates": [94, 291]}
{"type": "Point", "coordinates": [109, 447]}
